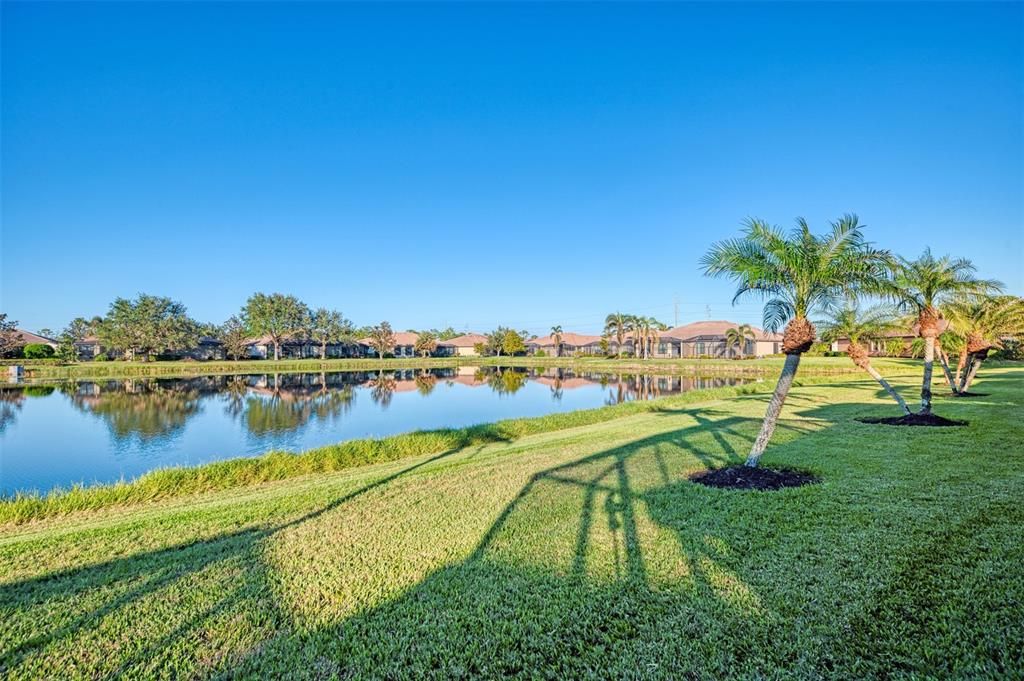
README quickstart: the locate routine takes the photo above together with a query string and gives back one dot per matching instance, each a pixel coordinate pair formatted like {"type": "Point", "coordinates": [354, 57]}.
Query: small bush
{"type": "Point", "coordinates": [540, 353]}
{"type": "Point", "coordinates": [100, 358]}
{"type": "Point", "coordinates": [37, 351]}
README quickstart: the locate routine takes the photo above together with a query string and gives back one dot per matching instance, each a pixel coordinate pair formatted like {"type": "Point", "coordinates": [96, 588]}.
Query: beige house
{"type": "Point", "coordinates": [571, 344]}
{"type": "Point", "coordinates": [405, 345]}
{"type": "Point", "coordinates": [707, 339]}
{"type": "Point", "coordinates": [461, 346]}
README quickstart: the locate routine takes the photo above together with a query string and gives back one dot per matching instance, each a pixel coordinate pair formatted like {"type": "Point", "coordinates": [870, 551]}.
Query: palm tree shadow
{"type": "Point", "coordinates": [234, 562]}
{"type": "Point", "coordinates": [501, 605]}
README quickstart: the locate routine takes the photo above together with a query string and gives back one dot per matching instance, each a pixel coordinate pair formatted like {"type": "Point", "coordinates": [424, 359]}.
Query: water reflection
{"type": "Point", "coordinates": [182, 421]}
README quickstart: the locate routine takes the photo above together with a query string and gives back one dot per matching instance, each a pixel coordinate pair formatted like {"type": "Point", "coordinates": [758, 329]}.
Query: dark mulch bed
{"type": "Point", "coordinates": [745, 477]}
{"type": "Point", "coordinates": [968, 394]}
{"type": "Point", "coordinates": [915, 420]}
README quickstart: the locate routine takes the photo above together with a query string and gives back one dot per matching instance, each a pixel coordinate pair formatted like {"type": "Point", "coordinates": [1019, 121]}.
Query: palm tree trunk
{"type": "Point", "coordinates": [961, 365]}
{"type": "Point", "coordinates": [888, 388]}
{"type": "Point", "coordinates": [277, 351]}
{"type": "Point", "coordinates": [969, 378]}
{"type": "Point", "coordinates": [945, 368]}
{"type": "Point", "coordinates": [323, 350]}
{"type": "Point", "coordinates": [771, 417]}
{"type": "Point", "coordinates": [926, 381]}
{"type": "Point", "coordinates": [968, 365]}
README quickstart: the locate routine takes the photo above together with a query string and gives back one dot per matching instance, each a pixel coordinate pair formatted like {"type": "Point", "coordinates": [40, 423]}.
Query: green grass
{"type": "Point", "coordinates": [763, 366]}
{"type": "Point", "coordinates": [579, 552]}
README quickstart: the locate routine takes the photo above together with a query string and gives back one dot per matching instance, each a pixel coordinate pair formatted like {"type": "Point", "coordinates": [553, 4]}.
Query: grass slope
{"type": "Point", "coordinates": [569, 553]}
{"type": "Point", "coordinates": [50, 369]}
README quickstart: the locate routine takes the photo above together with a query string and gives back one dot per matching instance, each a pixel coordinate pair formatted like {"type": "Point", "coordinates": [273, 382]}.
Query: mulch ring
{"type": "Point", "coordinates": [745, 477]}
{"type": "Point", "coordinates": [967, 394]}
{"type": "Point", "coordinates": [915, 420]}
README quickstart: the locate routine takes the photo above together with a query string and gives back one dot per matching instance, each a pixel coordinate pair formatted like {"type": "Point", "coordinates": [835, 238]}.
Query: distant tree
{"type": "Point", "coordinates": [46, 333]}
{"type": "Point", "coordinates": [10, 337]}
{"type": "Point", "coordinates": [66, 351]}
{"type": "Point", "coordinates": [513, 343]}
{"type": "Point", "coordinates": [444, 334]}
{"type": "Point", "coordinates": [858, 327]}
{"type": "Point", "coordinates": [329, 326]}
{"type": "Point", "coordinates": [983, 324]}
{"type": "Point", "coordinates": [737, 338]}
{"type": "Point", "coordinates": [604, 345]}
{"type": "Point", "coordinates": [235, 338]}
{"type": "Point", "coordinates": [276, 315]}
{"type": "Point", "coordinates": [382, 339]}
{"type": "Point", "coordinates": [617, 326]}
{"type": "Point", "coordinates": [556, 336]}
{"type": "Point", "coordinates": [80, 327]}
{"type": "Point", "coordinates": [426, 344]}
{"type": "Point", "coordinates": [146, 326]}
{"type": "Point", "coordinates": [922, 287]}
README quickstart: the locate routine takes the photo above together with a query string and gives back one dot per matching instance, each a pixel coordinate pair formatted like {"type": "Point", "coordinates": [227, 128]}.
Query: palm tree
{"type": "Point", "coordinates": [556, 336]}
{"type": "Point", "coordinates": [856, 326]}
{"type": "Point", "coordinates": [798, 273]}
{"type": "Point", "coordinates": [925, 284]}
{"type": "Point", "coordinates": [737, 338]}
{"type": "Point", "coordinates": [982, 323]}
{"type": "Point", "coordinates": [615, 325]}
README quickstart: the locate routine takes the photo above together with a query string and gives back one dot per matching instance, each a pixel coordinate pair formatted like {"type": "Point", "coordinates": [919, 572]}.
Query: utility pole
{"type": "Point", "coordinates": [707, 311]}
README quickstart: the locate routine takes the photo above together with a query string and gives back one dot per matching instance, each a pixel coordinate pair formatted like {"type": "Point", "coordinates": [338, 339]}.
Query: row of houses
{"type": "Point", "coordinates": [697, 339]}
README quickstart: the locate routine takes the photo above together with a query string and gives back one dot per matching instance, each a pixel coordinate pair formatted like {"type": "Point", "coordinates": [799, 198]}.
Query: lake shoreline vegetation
{"type": "Point", "coordinates": [277, 465]}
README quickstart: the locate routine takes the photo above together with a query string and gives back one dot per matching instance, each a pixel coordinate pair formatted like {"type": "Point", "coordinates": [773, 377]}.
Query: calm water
{"type": "Point", "coordinates": [88, 432]}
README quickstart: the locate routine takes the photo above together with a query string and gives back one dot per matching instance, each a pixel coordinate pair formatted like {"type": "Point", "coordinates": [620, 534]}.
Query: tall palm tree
{"type": "Point", "coordinates": [797, 273]}
{"type": "Point", "coordinates": [737, 338]}
{"type": "Point", "coordinates": [925, 284]}
{"type": "Point", "coordinates": [556, 336]}
{"type": "Point", "coordinates": [858, 326]}
{"type": "Point", "coordinates": [982, 323]}
{"type": "Point", "coordinates": [615, 325]}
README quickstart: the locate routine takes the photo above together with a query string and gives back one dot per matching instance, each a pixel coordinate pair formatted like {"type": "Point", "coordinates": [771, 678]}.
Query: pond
{"type": "Point", "coordinates": [102, 431]}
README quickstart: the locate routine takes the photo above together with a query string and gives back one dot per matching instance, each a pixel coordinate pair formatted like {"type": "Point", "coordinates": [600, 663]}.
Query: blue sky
{"type": "Point", "coordinates": [487, 164]}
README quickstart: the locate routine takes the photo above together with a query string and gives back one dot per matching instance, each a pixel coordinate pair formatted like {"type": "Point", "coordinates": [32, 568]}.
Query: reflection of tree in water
{"type": "Point", "coordinates": [286, 404]}
{"type": "Point", "coordinates": [10, 403]}
{"type": "Point", "coordinates": [143, 408]}
{"type": "Point", "coordinates": [503, 380]}
{"type": "Point", "coordinates": [382, 389]}
{"type": "Point", "coordinates": [426, 381]}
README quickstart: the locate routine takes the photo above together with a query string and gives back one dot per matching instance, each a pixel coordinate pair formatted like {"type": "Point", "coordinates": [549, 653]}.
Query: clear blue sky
{"type": "Point", "coordinates": [482, 164]}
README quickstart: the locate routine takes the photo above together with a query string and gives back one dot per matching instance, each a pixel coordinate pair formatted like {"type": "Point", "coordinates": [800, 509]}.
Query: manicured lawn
{"type": "Point", "coordinates": [766, 365]}
{"type": "Point", "coordinates": [569, 553]}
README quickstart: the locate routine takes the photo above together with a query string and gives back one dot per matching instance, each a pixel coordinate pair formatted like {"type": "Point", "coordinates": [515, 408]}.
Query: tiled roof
{"type": "Point", "coordinates": [401, 338]}
{"type": "Point", "coordinates": [466, 340]}
{"type": "Point", "coordinates": [568, 338]}
{"type": "Point", "coordinates": [29, 337]}
{"type": "Point", "coordinates": [714, 329]}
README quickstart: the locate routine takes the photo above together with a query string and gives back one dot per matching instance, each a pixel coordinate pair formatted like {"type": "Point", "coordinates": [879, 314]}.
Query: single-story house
{"type": "Point", "coordinates": [571, 344]}
{"type": "Point", "coordinates": [300, 348]}
{"type": "Point", "coordinates": [28, 338]}
{"type": "Point", "coordinates": [882, 344]}
{"type": "Point", "coordinates": [88, 347]}
{"type": "Point", "coordinates": [405, 345]}
{"type": "Point", "coordinates": [707, 339]}
{"type": "Point", "coordinates": [461, 346]}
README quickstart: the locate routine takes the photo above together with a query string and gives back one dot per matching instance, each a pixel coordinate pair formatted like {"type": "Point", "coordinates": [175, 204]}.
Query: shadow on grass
{"type": "Point", "coordinates": [609, 565]}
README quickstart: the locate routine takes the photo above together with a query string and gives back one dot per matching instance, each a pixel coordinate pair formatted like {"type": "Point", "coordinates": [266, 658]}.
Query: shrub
{"type": "Point", "coordinates": [540, 353]}
{"type": "Point", "coordinates": [37, 351]}
{"type": "Point", "coordinates": [100, 358]}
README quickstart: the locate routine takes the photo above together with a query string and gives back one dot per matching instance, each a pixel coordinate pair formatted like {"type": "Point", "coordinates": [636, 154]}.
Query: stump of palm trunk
{"type": "Point", "coordinates": [798, 337]}
{"type": "Point", "coordinates": [928, 322]}
{"type": "Point", "coordinates": [859, 354]}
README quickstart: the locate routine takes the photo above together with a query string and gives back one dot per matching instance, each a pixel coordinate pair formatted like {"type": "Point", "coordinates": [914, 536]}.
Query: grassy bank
{"type": "Point", "coordinates": [569, 553]}
{"type": "Point", "coordinates": [764, 366]}
{"type": "Point", "coordinates": [242, 471]}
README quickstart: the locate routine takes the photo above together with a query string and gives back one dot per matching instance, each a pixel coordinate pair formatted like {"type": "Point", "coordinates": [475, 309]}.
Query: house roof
{"type": "Point", "coordinates": [29, 337]}
{"type": "Point", "coordinates": [715, 328]}
{"type": "Point", "coordinates": [88, 340]}
{"type": "Point", "coordinates": [401, 338]}
{"type": "Point", "coordinates": [466, 340]}
{"type": "Point", "coordinates": [568, 338]}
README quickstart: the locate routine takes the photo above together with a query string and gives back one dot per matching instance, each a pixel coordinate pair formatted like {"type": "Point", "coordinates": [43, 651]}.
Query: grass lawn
{"type": "Point", "coordinates": [50, 369]}
{"type": "Point", "coordinates": [570, 553]}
